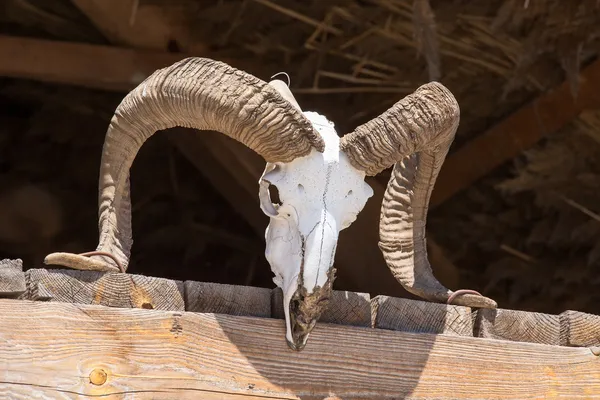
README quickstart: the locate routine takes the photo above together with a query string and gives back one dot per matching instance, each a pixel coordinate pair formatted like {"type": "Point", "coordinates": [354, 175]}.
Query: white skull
{"type": "Point", "coordinates": [321, 194]}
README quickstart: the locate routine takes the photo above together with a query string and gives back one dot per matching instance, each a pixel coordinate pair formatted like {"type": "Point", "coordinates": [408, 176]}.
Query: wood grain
{"type": "Point", "coordinates": [205, 297]}
{"type": "Point", "coordinates": [520, 326]}
{"type": "Point", "coordinates": [345, 308]}
{"type": "Point", "coordinates": [579, 329]}
{"type": "Point", "coordinates": [420, 316]}
{"type": "Point", "coordinates": [165, 354]}
{"type": "Point", "coordinates": [12, 278]}
{"type": "Point", "coordinates": [109, 289]}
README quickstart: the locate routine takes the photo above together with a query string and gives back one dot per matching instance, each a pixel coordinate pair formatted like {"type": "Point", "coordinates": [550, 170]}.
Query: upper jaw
{"type": "Point", "coordinates": [303, 311]}
{"type": "Point", "coordinates": [300, 331]}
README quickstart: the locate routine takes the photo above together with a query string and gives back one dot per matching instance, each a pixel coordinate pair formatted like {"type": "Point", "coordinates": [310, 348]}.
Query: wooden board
{"type": "Point", "coordinates": [419, 316]}
{"type": "Point", "coordinates": [219, 298]}
{"type": "Point", "coordinates": [109, 289]}
{"type": "Point", "coordinates": [345, 308]}
{"type": "Point", "coordinates": [131, 353]}
{"type": "Point", "coordinates": [520, 326]}
{"type": "Point", "coordinates": [579, 329]}
{"type": "Point", "coordinates": [12, 278]}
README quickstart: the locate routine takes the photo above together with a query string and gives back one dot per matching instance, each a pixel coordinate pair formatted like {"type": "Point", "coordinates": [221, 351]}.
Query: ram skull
{"type": "Point", "coordinates": [319, 177]}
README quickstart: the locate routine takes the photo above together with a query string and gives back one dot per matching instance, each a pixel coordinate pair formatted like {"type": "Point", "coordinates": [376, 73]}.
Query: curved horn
{"type": "Point", "coordinates": [195, 93]}
{"type": "Point", "coordinates": [415, 134]}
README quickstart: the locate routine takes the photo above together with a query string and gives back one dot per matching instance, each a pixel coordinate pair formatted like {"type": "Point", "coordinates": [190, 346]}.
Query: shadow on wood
{"type": "Point", "coordinates": [102, 351]}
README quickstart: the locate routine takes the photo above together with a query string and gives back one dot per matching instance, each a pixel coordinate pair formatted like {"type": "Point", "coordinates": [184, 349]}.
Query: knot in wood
{"type": "Point", "coordinates": [98, 376]}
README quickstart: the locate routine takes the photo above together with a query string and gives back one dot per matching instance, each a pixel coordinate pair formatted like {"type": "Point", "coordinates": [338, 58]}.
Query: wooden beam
{"type": "Point", "coordinates": [12, 278]}
{"type": "Point", "coordinates": [523, 129]}
{"type": "Point", "coordinates": [579, 329]}
{"type": "Point", "coordinates": [240, 190]}
{"type": "Point", "coordinates": [420, 316]}
{"type": "Point", "coordinates": [62, 350]}
{"type": "Point", "coordinates": [113, 290]}
{"type": "Point", "coordinates": [520, 326]}
{"type": "Point", "coordinates": [142, 26]}
{"type": "Point", "coordinates": [344, 308]}
{"type": "Point", "coordinates": [94, 67]}
{"type": "Point", "coordinates": [208, 297]}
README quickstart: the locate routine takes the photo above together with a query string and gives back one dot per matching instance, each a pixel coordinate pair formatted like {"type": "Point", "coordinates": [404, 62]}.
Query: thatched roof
{"type": "Point", "coordinates": [526, 234]}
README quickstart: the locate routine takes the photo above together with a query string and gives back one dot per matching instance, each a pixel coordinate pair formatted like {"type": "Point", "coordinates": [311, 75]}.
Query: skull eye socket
{"type": "Point", "coordinates": [274, 195]}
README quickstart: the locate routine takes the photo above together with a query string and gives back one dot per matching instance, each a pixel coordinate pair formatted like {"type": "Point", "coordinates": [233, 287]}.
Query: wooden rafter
{"type": "Point", "coordinates": [521, 130]}
{"type": "Point", "coordinates": [126, 22]}
{"type": "Point", "coordinates": [95, 67]}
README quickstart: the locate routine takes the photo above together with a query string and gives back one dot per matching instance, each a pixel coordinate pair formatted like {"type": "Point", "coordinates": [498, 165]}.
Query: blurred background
{"type": "Point", "coordinates": [516, 209]}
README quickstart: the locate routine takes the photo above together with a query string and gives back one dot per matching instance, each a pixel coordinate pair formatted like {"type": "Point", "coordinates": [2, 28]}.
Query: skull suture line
{"type": "Point", "coordinates": [320, 177]}
{"type": "Point", "coordinates": [321, 194]}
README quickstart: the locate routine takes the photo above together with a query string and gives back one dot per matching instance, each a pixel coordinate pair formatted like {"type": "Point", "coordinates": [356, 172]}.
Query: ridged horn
{"type": "Point", "coordinates": [415, 134]}
{"type": "Point", "coordinates": [194, 93]}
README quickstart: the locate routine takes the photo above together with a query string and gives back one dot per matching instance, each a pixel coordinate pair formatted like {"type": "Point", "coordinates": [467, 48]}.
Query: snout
{"type": "Point", "coordinates": [300, 333]}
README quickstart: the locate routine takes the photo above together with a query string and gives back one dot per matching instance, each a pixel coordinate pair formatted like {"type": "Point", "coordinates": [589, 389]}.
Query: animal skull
{"type": "Point", "coordinates": [320, 177]}
{"type": "Point", "coordinates": [321, 194]}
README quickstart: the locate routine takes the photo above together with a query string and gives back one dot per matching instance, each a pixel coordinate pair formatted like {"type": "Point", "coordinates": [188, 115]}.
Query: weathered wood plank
{"type": "Point", "coordinates": [519, 326]}
{"type": "Point", "coordinates": [345, 308]}
{"type": "Point", "coordinates": [165, 354]}
{"type": "Point", "coordinates": [579, 329]}
{"type": "Point", "coordinates": [408, 315]}
{"type": "Point", "coordinates": [109, 289]}
{"type": "Point", "coordinates": [12, 278]}
{"type": "Point", "coordinates": [206, 297]}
